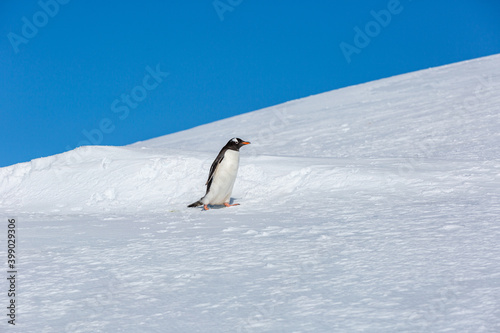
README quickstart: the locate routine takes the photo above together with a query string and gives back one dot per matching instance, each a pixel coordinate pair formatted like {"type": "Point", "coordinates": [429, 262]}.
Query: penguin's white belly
{"type": "Point", "coordinates": [223, 179]}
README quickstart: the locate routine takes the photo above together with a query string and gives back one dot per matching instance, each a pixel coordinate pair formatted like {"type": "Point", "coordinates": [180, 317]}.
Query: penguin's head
{"type": "Point", "coordinates": [236, 143]}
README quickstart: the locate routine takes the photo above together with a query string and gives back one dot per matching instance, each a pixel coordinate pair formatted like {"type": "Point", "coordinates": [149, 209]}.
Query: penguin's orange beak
{"type": "Point", "coordinates": [245, 143]}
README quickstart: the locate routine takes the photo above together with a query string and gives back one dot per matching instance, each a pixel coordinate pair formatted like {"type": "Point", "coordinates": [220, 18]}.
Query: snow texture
{"type": "Point", "coordinates": [373, 208]}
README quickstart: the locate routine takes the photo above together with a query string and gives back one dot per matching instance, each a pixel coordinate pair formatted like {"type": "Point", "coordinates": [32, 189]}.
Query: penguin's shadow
{"type": "Point", "coordinates": [231, 202]}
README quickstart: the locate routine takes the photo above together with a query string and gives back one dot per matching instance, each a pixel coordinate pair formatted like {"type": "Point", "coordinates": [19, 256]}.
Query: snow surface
{"type": "Point", "coordinates": [373, 208]}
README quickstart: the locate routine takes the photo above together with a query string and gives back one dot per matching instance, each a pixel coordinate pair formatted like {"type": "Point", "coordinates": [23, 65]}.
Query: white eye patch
{"type": "Point", "coordinates": [234, 140]}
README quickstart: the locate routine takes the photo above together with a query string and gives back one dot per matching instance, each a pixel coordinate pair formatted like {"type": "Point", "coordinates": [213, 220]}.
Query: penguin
{"type": "Point", "coordinates": [222, 175]}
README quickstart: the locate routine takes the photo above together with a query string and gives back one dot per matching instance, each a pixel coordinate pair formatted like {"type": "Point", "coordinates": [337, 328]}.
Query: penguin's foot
{"type": "Point", "coordinates": [228, 205]}
{"type": "Point", "coordinates": [205, 207]}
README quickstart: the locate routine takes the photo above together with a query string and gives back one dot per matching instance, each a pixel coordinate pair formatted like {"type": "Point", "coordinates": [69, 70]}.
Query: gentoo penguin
{"type": "Point", "coordinates": [222, 175]}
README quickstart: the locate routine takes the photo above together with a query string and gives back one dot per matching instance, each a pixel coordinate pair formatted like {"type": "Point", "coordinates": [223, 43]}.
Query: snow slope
{"type": "Point", "coordinates": [372, 208]}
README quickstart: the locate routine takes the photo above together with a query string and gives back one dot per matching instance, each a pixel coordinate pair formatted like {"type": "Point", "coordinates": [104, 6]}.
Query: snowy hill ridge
{"type": "Point", "coordinates": [441, 113]}
{"type": "Point", "coordinates": [372, 208]}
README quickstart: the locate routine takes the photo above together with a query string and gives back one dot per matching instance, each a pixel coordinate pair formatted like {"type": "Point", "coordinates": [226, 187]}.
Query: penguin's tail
{"type": "Point", "coordinates": [196, 204]}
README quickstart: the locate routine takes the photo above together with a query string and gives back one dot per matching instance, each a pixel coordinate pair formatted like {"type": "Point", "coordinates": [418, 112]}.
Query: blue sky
{"type": "Point", "coordinates": [76, 72]}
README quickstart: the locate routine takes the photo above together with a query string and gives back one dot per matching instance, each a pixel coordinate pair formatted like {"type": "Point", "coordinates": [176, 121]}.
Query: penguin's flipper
{"type": "Point", "coordinates": [196, 204]}
{"type": "Point", "coordinates": [214, 166]}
